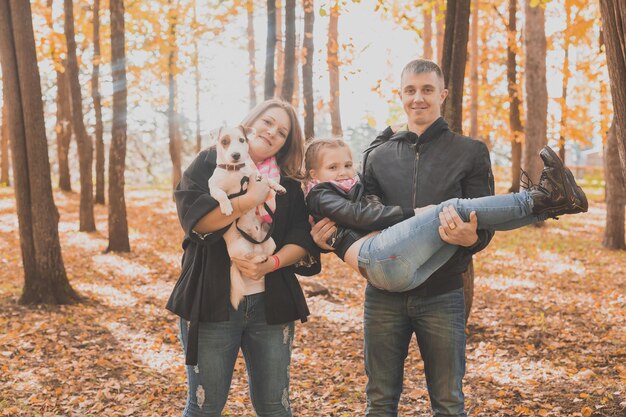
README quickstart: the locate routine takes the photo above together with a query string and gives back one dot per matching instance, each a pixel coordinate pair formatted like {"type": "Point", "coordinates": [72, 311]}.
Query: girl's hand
{"type": "Point", "coordinates": [254, 270]}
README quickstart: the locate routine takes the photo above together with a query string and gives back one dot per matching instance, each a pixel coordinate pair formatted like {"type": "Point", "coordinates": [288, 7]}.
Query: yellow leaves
{"type": "Point", "coordinates": [586, 411]}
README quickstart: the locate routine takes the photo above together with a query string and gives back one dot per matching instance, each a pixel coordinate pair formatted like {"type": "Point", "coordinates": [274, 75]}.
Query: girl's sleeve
{"type": "Point", "coordinates": [367, 214]}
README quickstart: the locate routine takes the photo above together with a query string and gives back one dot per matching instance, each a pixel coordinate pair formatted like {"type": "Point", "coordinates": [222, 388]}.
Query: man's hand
{"type": "Point", "coordinates": [254, 270]}
{"type": "Point", "coordinates": [455, 231]}
{"type": "Point", "coordinates": [322, 231]}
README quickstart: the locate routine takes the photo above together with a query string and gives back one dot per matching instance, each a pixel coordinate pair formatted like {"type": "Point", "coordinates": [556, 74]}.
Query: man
{"type": "Point", "coordinates": [424, 163]}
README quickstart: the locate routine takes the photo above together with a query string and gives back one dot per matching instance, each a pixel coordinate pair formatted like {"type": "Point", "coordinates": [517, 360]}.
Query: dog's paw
{"type": "Point", "coordinates": [226, 207]}
{"type": "Point", "coordinates": [280, 190]}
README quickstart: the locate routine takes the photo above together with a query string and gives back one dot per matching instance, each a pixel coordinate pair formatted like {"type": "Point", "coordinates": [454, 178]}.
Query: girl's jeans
{"type": "Point", "coordinates": [404, 255]}
{"type": "Point", "coordinates": [267, 352]}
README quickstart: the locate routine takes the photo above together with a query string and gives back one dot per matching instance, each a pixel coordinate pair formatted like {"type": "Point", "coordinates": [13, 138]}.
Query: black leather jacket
{"type": "Point", "coordinates": [410, 171]}
{"type": "Point", "coordinates": [355, 214]}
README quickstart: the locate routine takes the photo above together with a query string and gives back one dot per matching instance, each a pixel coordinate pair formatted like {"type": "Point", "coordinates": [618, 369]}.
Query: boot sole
{"type": "Point", "coordinates": [553, 160]}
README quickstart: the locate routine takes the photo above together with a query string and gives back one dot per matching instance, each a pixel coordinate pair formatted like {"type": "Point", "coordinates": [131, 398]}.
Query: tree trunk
{"type": "Point", "coordinates": [454, 60]}
{"type": "Point", "coordinates": [566, 76]}
{"type": "Point", "coordinates": [85, 147]}
{"type": "Point", "coordinates": [118, 225]}
{"type": "Point", "coordinates": [439, 22]}
{"type": "Point", "coordinates": [615, 194]}
{"type": "Point", "coordinates": [333, 70]}
{"type": "Point", "coordinates": [270, 86]}
{"type": "Point", "coordinates": [290, 51]}
{"type": "Point", "coordinates": [172, 114]}
{"type": "Point", "coordinates": [427, 12]}
{"type": "Point", "coordinates": [474, 71]}
{"type": "Point", "coordinates": [251, 54]}
{"type": "Point", "coordinates": [97, 104]}
{"type": "Point", "coordinates": [515, 121]}
{"type": "Point", "coordinates": [45, 280]}
{"type": "Point", "coordinates": [63, 128]}
{"type": "Point", "coordinates": [196, 63]}
{"type": "Point", "coordinates": [280, 50]}
{"type": "Point", "coordinates": [4, 134]}
{"type": "Point", "coordinates": [307, 69]}
{"type": "Point", "coordinates": [614, 27]}
{"type": "Point", "coordinates": [295, 98]}
{"type": "Point", "coordinates": [536, 90]}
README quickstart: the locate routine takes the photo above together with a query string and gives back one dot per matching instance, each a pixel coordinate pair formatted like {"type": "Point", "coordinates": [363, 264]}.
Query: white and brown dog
{"type": "Point", "coordinates": [234, 163]}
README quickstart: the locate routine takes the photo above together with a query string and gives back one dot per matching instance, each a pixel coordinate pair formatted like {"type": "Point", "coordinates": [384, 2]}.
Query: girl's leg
{"type": "Point", "coordinates": [209, 381]}
{"type": "Point", "coordinates": [404, 255]}
{"type": "Point", "coordinates": [267, 351]}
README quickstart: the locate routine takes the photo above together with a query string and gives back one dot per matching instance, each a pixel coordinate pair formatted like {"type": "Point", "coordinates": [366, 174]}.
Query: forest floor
{"type": "Point", "coordinates": [546, 336]}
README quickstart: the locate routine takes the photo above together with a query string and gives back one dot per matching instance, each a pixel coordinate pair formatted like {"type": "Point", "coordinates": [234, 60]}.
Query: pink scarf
{"type": "Point", "coordinates": [345, 185]}
{"type": "Point", "coordinates": [271, 170]}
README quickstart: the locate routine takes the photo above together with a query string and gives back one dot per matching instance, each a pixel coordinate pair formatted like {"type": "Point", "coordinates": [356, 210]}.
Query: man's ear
{"type": "Point", "coordinates": [444, 94]}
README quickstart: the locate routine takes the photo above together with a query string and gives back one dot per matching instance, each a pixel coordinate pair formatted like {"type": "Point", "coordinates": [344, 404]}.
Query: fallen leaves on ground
{"type": "Point", "coordinates": [546, 337]}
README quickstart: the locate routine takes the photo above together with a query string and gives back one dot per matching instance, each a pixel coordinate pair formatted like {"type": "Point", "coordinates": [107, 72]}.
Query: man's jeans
{"type": "Point", "coordinates": [439, 325]}
{"type": "Point", "coordinates": [266, 350]}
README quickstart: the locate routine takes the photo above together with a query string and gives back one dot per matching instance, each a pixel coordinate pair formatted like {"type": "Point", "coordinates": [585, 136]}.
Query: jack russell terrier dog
{"type": "Point", "coordinates": [233, 164]}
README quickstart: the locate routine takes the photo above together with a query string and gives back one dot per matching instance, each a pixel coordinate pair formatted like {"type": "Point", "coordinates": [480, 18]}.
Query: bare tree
{"type": "Point", "coordinates": [270, 86]}
{"type": "Point", "coordinates": [63, 126]}
{"type": "Point", "coordinates": [566, 76]}
{"type": "Point", "coordinates": [515, 121]}
{"type": "Point", "coordinates": [4, 135]}
{"type": "Point", "coordinates": [196, 64]}
{"type": "Point", "coordinates": [85, 147]}
{"type": "Point", "coordinates": [333, 69]}
{"type": "Point", "coordinates": [454, 60]}
{"type": "Point", "coordinates": [439, 24]}
{"type": "Point", "coordinates": [280, 50]}
{"type": "Point", "coordinates": [118, 224]}
{"type": "Point", "coordinates": [172, 113]}
{"type": "Point", "coordinates": [614, 29]}
{"type": "Point", "coordinates": [45, 280]}
{"type": "Point", "coordinates": [615, 194]}
{"type": "Point", "coordinates": [97, 104]}
{"type": "Point", "coordinates": [290, 51]}
{"type": "Point", "coordinates": [474, 71]}
{"type": "Point", "coordinates": [251, 54]}
{"type": "Point", "coordinates": [536, 89]}
{"type": "Point", "coordinates": [307, 69]}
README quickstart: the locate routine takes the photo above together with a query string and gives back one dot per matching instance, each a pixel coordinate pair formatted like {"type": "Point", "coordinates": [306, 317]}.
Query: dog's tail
{"type": "Point", "coordinates": [237, 286]}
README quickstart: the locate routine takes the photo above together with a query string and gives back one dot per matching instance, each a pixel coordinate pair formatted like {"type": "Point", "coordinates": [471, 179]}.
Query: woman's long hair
{"type": "Point", "coordinates": [291, 155]}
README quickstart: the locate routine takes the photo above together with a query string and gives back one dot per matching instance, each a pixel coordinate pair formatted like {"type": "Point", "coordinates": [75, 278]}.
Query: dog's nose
{"type": "Point", "coordinates": [236, 156]}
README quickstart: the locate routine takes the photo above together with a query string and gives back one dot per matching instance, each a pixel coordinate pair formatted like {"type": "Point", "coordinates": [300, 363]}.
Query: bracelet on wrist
{"type": "Point", "coordinates": [276, 262]}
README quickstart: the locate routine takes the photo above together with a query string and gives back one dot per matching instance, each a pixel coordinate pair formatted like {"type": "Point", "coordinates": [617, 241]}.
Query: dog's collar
{"type": "Point", "coordinates": [231, 167]}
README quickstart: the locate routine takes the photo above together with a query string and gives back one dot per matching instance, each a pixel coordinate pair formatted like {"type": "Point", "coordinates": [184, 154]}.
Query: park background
{"type": "Point", "coordinates": [546, 329]}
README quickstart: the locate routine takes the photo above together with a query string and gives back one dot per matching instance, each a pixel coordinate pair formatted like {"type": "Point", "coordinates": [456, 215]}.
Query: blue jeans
{"type": "Point", "coordinates": [404, 255]}
{"type": "Point", "coordinates": [267, 353]}
{"type": "Point", "coordinates": [390, 319]}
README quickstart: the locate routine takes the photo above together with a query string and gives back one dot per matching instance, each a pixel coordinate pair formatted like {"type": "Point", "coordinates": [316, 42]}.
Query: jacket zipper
{"type": "Point", "coordinates": [415, 167]}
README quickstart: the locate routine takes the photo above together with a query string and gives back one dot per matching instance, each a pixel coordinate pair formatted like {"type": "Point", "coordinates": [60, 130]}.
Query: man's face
{"type": "Point", "coordinates": [422, 96]}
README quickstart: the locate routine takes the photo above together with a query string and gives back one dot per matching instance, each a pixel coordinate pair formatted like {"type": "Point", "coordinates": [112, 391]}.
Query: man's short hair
{"type": "Point", "coordinates": [422, 66]}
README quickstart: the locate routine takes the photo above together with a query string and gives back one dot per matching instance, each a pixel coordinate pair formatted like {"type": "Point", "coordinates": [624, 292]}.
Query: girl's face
{"type": "Point", "coordinates": [334, 164]}
{"type": "Point", "coordinates": [272, 129]}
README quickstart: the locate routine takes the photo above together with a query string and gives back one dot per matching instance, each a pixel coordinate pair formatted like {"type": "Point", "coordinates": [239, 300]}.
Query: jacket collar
{"type": "Point", "coordinates": [433, 131]}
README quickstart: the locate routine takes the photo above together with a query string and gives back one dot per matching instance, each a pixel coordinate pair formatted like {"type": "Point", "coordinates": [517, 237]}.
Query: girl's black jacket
{"type": "Point", "coordinates": [202, 292]}
{"type": "Point", "coordinates": [355, 215]}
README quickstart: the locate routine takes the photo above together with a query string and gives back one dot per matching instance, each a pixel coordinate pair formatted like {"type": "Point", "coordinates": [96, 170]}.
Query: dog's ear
{"type": "Point", "coordinates": [213, 136]}
{"type": "Point", "coordinates": [248, 132]}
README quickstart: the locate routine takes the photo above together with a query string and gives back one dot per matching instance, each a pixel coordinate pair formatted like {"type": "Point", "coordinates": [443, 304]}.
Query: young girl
{"type": "Point", "coordinates": [410, 249]}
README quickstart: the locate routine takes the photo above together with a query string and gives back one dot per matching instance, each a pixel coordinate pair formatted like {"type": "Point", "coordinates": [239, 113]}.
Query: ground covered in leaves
{"type": "Point", "coordinates": [546, 337]}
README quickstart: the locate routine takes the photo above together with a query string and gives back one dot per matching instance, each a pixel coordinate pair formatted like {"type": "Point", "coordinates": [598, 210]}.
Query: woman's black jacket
{"type": "Point", "coordinates": [355, 215]}
{"type": "Point", "coordinates": [202, 292]}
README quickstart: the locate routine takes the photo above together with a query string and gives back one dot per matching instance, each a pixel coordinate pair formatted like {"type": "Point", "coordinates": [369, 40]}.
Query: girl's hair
{"type": "Point", "coordinates": [291, 155]}
{"type": "Point", "coordinates": [315, 147]}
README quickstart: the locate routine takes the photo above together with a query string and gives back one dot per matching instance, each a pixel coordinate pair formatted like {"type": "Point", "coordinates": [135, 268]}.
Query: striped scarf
{"type": "Point", "coordinates": [271, 170]}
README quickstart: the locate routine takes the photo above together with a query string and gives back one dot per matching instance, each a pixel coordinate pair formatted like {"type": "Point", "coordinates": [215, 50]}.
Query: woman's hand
{"type": "Point", "coordinates": [322, 231]}
{"type": "Point", "coordinates": [258, 190]}
{"type": "Point", "coordinates": [254, 270]}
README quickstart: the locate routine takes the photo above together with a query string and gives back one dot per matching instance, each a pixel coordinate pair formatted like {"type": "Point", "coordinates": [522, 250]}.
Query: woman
{"type": "Point", "coordinates": [211, 330]}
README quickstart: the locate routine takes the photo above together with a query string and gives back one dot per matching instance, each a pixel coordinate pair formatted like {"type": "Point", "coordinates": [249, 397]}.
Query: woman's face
{"type": "Point", "coordinates": [272, 129]}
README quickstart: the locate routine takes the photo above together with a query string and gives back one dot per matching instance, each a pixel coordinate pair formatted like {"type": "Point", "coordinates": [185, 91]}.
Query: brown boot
{"type": "Point", "coordinates": [557, 192]}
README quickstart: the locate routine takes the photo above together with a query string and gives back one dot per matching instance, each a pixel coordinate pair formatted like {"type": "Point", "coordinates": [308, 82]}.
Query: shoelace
{"type": "Point", "coordinates": [527, 182]}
